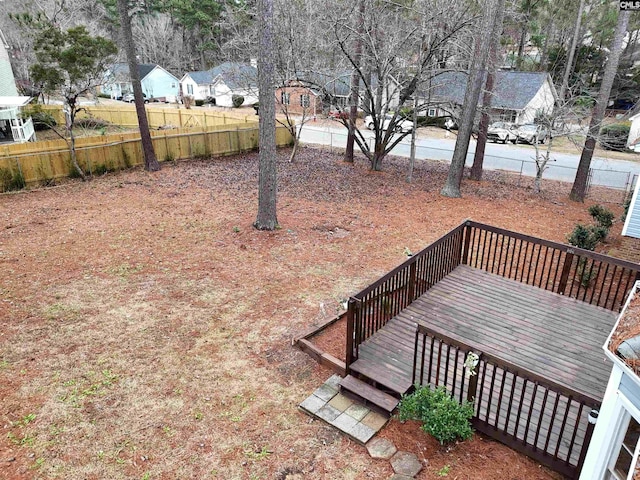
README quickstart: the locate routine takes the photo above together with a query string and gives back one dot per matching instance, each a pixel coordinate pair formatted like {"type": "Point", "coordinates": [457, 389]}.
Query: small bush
{"type": "Point", "coordinates": [104, 95]}
{"type": "Point", "coordinates": [42, 120]}
{"type": "Point", "coordinates": [614, 137]}
{"type": "Point", "coordinates": [602, 215]}
{"type": "Point", "coordinates": [441, 416]}
{"type": "Point", "coordinates": [91, 123]}
{"type": "Point", "coordinates": [199, 103]}
{"type": "Point", "coordinates": [583, 236]}
{"type": "Point", "coordinates": [11, 179]}
{"type": "Point", "coordinates": [237, 100]}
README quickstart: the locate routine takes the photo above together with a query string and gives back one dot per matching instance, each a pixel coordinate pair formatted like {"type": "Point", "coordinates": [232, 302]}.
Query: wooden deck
{"type": "Point", "coordinates": [556, 337]}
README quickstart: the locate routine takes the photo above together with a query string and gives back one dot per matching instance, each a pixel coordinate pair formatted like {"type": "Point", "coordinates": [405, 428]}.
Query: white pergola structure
{"type": "Point", "coordinates": [11, 122]}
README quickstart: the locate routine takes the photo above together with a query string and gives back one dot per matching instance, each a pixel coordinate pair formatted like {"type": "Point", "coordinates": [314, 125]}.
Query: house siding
{"type": "Point", "coordinates": [295, 95]}
{"type": "Point", "coordinates": [7, 81]}
{"type": "Point", "coordinates": [632, 222]}
{"type": "Point", "coordinates": [542, 101]}
{"type": "Point", "coordinates": [634, 130]}
{"type": "Point", "coordinates": [160, 83]}
{"type": "Point", "coordinates": [224, 95]}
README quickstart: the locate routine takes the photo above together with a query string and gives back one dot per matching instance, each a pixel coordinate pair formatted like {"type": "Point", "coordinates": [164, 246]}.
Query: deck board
{"type": "Point", "coordinates": [556, 337]}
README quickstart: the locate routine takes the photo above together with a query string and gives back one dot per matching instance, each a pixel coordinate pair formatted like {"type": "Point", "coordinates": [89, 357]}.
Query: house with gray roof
{"type": "Point", "coordinates": [222, 83]}
{"type": "Point", "coordinates": [518, 97]}
{"type": "Point", "coordinates": [156, 82]}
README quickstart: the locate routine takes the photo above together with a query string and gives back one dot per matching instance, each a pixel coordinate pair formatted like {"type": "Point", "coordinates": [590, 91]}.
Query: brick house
{"type": "Point", "coordinates": [296, 98]}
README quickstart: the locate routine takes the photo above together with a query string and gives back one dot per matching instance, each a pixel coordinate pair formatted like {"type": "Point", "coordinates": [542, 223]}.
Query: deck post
{"type": "Point", "coordinates": [564, 277]}
{"type": "Point", "coordinates": [412, 284]}
{"type": "Point", "coordinates": [473, 386]}
{"type": "Point", "coordinates": [467, 241]}
{"type": "Point", "coordinates": [351, 317]}
{"type": "Point", "coordinates": [593, 417]}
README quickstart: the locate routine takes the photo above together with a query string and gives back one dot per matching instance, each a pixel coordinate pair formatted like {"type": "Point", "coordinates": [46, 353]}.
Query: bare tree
{"type": "Point", "coordinates": [579, 189]}
{"type": "Point", "coordinates": [572, 50]}
{"type": "Point", "coordinates": [267, 186]}
{"type": "Point", "coordinates": [387, 73]}
{"type": "Point", "coordinates": [150, 161]}
{"type": "Point", "coordinates": [472, 95]}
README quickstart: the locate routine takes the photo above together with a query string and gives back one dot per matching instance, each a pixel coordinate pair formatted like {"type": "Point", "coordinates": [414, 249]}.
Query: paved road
{"type": "Point", "coordinates": [516, 158]}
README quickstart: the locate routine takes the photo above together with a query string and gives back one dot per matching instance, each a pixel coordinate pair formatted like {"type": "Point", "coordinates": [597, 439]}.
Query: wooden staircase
{"type": "Point", "coordinates": [369, 394]}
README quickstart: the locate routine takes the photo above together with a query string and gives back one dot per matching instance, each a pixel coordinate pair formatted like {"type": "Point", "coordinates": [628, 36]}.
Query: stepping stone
{"type": "Point", "coordinates": [381, 448]}
{"type": "Point", "coordinates": [400, 477]}
{"type": "Point", "coordinates": [405, 463]}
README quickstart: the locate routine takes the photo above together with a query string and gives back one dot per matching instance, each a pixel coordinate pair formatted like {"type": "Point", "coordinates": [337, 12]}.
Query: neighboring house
{"type": "Point", "coordinates": [615, 444]}
{"type": "Point", "coordinates": [156, 82]}
{"type": "Point", "coordinates": [518, 96]}
{"type": "Point", "coordinates": [295, 97]}
{"type": "Point", "coordinates": [198, 85]}
{"type": "Point", "coordinates": [335, 88]}
{"type": "Point", "coordinates": [221, 83]}
{"type": "Point", "coordinates": [230, 79]}
{"type": "Point", "coordinates": [633, 140]}
{"type": "Point", "coordinates": [13, 128]}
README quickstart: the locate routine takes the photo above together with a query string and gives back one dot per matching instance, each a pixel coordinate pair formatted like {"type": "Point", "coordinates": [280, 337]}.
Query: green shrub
{"type": "Point", "coordinates": [42, 120]}
{"type": "Point", "coordinates": [602, 215]}
{"type": "Point", "coordinates": [441, 415]}
{"type": "Point", "coordinates": [11, 179]}
{"type": "Point", "coordinates": [104, 95]}
{"type": "Point", "coordinates": [237, 100]}
{"type": "Point", "coordinates": [583, 236]}
{"type": "Point", "coordinates": [614, 137]}
{"type": "Point", "coordinates": [199, 103]}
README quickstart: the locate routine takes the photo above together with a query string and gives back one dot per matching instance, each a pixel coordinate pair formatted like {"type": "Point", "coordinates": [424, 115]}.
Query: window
{"type": "Point", "coordinates": [173, 84]}
{"type": "Point", "coordinates": [189, 89]}
{"type": "Point", "coordinates": [624, 462]}
{"type": "Point", "coordinates": [432, 112]}
{"type": "Point", "coordinates": [285, 98]}
{"type": "Point", "coordinates": [305, 101]}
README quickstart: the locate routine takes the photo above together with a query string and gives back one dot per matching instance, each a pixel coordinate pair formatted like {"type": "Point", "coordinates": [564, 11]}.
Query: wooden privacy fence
{"type": "Point", "coordinates": [43, 161]}
{"type": "Point", "coordinates": [531, 414]}
{"type": "Point", "coordinates": [158, 116]}
{"type": "Point", "coordinates": [570, 271]}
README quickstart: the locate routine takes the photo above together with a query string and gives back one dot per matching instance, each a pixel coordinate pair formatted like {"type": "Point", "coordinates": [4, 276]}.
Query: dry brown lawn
{"type": "Point", "coordinates": [145, 326]}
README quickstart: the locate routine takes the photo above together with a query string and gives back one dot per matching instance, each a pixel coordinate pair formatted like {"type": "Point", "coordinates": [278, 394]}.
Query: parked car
{"type": "Point", "coordinates": [339, 114]}
{"type": "Point", "coordinates": [532, 133]}
{"type": "Point", "coordinates": [402, 125]}
{"type": "Point", "coordinates": [129, 98]}
{"type": "Point", "coordinates": [502, 132]}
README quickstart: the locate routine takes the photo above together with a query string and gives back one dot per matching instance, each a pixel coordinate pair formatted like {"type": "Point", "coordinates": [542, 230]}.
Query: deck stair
{"type": "Point", "coordinates": [369, 393]}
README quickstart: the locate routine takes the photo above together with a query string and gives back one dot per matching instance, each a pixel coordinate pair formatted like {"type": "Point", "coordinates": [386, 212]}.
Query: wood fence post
{"type": "Point", "coordinates": [351, 317]}
{"type": "Point", "coordinates": [564, 277]}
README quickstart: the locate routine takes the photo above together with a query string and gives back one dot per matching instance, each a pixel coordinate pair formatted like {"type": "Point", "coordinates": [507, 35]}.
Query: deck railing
{"type": "Point", "coordinates": [536, 416]}
{"type": "Point", "coordinates": [369, 310]}
{"type": "Point", "coordinates": [581, 274]}
{"type": "Point", "coordinates": [570, 271]}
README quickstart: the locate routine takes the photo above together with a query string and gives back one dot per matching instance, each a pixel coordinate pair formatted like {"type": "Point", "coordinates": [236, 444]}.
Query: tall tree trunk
{"type": "Point", "coordinates": [579, 189]}
{"type": "Point", "coordinates": [267, 182]}
{"type": "Point", "coordinates": [471, 98]}
{"type": "Point", "coordinates": [71, 120]}
{"type": "Point", "coordinates": [572, 51]}
{"type": "Point", "coordinates": [150, 161]}
{"type": "Point", "coordinates": [478, 158]}
{"type": "Point", "coordinates": [354, 95]}
{"type": "Point", "coordinates": [523, 39]}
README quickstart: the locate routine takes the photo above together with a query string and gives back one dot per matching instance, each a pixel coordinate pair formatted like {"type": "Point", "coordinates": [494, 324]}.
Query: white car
{"type": "Point", "coordinates": [502, 132]}
{"type": "Point", "coordinates": [402, 125]}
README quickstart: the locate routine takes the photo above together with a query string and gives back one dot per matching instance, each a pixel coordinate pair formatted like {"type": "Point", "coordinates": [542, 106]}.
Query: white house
{"type": "Point", "coordinates": [518, 97]}
{"type": "Point", "coordinates": [222, 83]}
{"type": "Point", "coordinates": [13, 128]}
{"type": "Point", "coordinates": [615, 444]}
{"type": "Point", "coordinates": [633, 140]}
{"type": "Point", "coordinates": [156, 82]}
